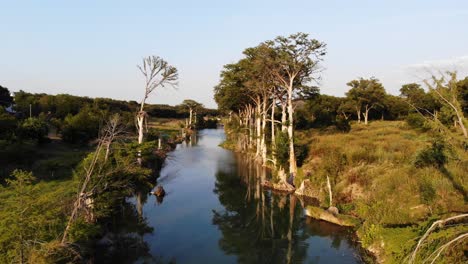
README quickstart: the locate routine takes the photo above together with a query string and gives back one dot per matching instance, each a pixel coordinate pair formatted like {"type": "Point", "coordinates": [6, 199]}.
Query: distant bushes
{"type": "Point", "coordinates": [415, 120]}
{"type": "Point", "coordinates": [33, 128]}
{"type": "Point", "coordinates": [81, 127]}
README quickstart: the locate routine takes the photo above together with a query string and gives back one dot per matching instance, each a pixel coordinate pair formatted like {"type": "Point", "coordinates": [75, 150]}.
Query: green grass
{"type": "Point", "coordinates": [374, 178]}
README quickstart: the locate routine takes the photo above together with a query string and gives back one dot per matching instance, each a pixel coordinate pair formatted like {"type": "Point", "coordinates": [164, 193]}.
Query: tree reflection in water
{"type": "Point", "coordinates": [257, 226]}
{"type": "Point", "coordinates": [260, 226]}
{"type": "Point", "coordinates": [124, 240]}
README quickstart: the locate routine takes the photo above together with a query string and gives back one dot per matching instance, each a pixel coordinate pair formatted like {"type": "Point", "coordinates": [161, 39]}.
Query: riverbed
{"type": "Point", "coordinates": [215, 211]}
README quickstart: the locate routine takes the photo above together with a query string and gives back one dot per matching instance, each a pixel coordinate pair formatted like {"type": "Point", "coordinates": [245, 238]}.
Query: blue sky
{"type": "Point", "coordinates": [92, 47]}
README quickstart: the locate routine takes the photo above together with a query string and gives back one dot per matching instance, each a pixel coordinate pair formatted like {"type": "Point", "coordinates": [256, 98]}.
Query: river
{"type": "Point", "coordinates": [215, 211]}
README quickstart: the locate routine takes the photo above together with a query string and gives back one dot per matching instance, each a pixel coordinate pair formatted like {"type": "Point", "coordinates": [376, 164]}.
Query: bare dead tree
{"type": "Point", "coordinates": [157, 73]}
{"type": "Point", "coordinates": [113, 129]}
{"type": "Point", "coordinates": [445, 88]}
{"type": "Point", "coordinates": [83, 201]}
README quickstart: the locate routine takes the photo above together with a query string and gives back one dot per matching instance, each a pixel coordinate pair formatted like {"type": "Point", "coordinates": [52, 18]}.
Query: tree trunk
{"type": "Point", "coordinates": [292, 155]}
{"type": "Point", "coordinates": [358, 112]}
{"type": "Point", "coordinates": [190, 120]}
{"type": "Point", "coordinates": [263, 140]}
{"type": "Point", "coordinates": [273, 139]}
{"type": "Point", "coordinates": [366, 114]}
{"type": "Point", "coordinates": [462, 126]}
{"type": "Point", "coordinates": [329, 191]}
{"type": "Point", "coordinates": [283, 117]}
{"type": "Point", "coordinates": [258, 129]}
{"type": "Point", "coordinates": [140, 120]}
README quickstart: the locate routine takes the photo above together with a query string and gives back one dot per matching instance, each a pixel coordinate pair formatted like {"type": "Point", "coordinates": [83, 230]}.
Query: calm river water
{"type": "Point", "coordinates": [215, 211]}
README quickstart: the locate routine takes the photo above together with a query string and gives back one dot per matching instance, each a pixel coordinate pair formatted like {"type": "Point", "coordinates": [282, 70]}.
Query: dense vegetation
{"type": "Point", "coordinates": [53, 145]}
{"type": "Point", "coordinates": [396, 162]}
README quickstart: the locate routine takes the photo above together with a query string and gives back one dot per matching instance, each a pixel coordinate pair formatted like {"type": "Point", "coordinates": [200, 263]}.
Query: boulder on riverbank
{"type": "Point", "coordinates": [325, 215]}
{"type": "Point", "coordinates": [281, 186]}
{"type": "Point", "coordinates": [159, 191]}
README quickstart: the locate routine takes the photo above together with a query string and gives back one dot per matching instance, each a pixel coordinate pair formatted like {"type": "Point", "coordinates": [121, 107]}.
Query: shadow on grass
{"type": "Point", "coordinates": [455, 184]}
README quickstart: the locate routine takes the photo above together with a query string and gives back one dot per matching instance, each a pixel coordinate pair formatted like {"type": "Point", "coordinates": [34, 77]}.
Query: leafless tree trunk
{"type": "Point", "coordinates": [330, 191]}
{"type": "Point", "coordinates": [112, 129]}
{"type": "Point", "coordinates": [273, 137]}
{"type": "Point", "coordinates": [158, 73]}
{"type": "Point", "coordinates": [292, 154]}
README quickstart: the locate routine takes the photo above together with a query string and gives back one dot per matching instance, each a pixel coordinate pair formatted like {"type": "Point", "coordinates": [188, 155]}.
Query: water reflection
{"type": "Point", "coordinates": [260, 226]}
{"type": "Point", "coordinates": [216, 211]}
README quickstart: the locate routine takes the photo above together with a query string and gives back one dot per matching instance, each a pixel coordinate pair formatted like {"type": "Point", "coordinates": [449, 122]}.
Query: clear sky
{"type": "Point", "coordinates": [92, 47]}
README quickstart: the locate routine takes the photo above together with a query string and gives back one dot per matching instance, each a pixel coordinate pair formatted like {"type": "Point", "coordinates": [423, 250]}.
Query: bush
{"type": "Point", "coordinates": [301, 151]}
{"type": "Point", "coordinates": [415, 120]}
{"type": "Point", "coordinates": [33, 128]}
{"type": "Point", "coordinates": [432, 156]}
{"type": "Point", "coordinates": [342, 124]}
{"type": "Point", "coordinates": [81, 127]}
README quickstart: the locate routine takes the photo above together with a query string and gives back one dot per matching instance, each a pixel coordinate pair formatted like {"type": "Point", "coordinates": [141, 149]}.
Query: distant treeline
{"type": "Point", "coordinates": [75, 118]}
{"type": "Point", "coordinates": [62, 105]}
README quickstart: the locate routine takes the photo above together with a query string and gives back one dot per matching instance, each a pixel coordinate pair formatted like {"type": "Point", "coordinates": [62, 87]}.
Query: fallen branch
{"type": "Point", "coordinates": [434, 225]}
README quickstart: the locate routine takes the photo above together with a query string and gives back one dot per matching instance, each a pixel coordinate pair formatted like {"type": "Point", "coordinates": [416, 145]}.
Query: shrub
{"type": "Point", "coordinates": [81, 127]}
{"type": "Point", "coordinates": [415, 120]}
{"type": "Point", "coordinates": [432, 156]}
{"type": "Point", "coordinates": [342, 124]}
{"type": "Point", "coordinates": [33, 128]}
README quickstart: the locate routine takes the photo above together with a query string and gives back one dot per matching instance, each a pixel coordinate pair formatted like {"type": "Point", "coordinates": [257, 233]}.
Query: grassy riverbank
{"type": "Point", "coordinates": [36, 202]}
{"type": "Point", "coordinates": [375, 177]}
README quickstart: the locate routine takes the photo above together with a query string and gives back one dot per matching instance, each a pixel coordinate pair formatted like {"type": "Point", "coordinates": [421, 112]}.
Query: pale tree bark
{"type": "Point", "coordinates": [190, 118]}
{"type": "Point", "coordinates": [366, 113]}
{"type": "Point", "coordinates": [157, 73]}
{"type": "Point", "coordinates": [358, 113]}
{"type": "Point", "coordinates": [273, 128]}
{"type": "Point", "coordinates": [435, 225]}
{"type": "Point", "coordinates": [448, 94]}
{"type": "Point", "coordinates": [258, 129]}
{"type": "Point", "coordinates": [292, 155]}
{"type": "Point", "coordinates": [110, 132]}
{"type": "Point", "coordinates": [283, 117]}
{"type": "Point", "coordinates": [263, 140]}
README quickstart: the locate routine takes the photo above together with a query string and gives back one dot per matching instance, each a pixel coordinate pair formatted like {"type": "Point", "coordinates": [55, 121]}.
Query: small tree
{"type": "Point", "coordinates": [22, 216]}
{"type": "Point", "coordinates": [193, 107]}
{"type": "Point", "coordinates": [366, 94]}
{"type": "Point", "coordinates": [158, 73]}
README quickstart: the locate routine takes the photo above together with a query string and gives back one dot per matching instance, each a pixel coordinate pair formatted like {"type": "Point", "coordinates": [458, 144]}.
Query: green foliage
{"type": "Point", "coordinates": [369, 233]}
{"type": "Point", "coordinates": [432, 156]}
{"type": "Point", "coordinates": [5, 97]}
{"type": "Point", "coordinates": [342, 124]}
{"type": "Point", "coordinates": [427, 191]}
{"type": "Point", "coordinates": [82, 231]}
{"type": "Point", "coordinates": [81, 127]}
{"type": "Point", "coordinates": [415, 120]}
{"type": "Point", "coordinates": [366, 92]}
{"type": "Point", "coordinates": [282, 148]}
{"type": "Point", "coordinates": [33, 128]}
{"type": "Point", "coordinates": [7, 124]}
{"type": "Point", "coordinates": [15, 224]}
